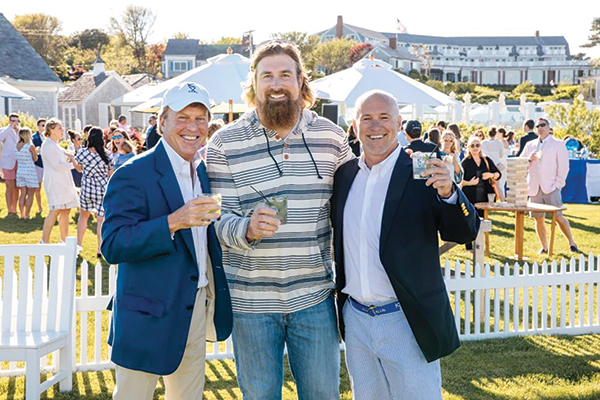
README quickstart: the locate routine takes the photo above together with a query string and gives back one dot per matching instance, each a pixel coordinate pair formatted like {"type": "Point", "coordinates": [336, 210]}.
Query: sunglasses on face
{"type": "Point", "coordinates": [475, 145]}
{"type": "Point", "coordinates": [117, 137]}
{"type": "Point", "coordinates": [541, 125]}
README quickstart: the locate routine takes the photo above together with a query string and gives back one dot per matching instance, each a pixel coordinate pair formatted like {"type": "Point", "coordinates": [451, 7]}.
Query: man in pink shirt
{"type": "Point", "coordinates": [9, 138]}
{"type": "Point", "coordinates": [548, 170]}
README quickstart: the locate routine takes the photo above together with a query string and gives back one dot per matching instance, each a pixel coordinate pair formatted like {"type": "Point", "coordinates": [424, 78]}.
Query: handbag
{"type": "Point", "coordinates": [492, 180]}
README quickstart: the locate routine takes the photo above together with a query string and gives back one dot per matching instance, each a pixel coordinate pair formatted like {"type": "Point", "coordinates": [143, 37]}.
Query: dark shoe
{"type": "Point", "coordinates": [543, 251]}
{"type": "Point", "coordinates": [574, 249]}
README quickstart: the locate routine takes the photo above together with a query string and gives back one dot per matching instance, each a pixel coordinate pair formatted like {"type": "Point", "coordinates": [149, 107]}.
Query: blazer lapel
{"type": "Point", "coordinates": [344, 189]}
{"type": "Point", "coordinates": [203, 176]}
{"type": "Point", "coordinates": [172, 192]}
{"type": "Point", "coordinates": [402, 171]}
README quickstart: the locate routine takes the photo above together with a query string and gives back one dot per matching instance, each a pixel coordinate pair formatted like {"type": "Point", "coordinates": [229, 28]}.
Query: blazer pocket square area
{"type": "Point", "coordinates": [142, 304]}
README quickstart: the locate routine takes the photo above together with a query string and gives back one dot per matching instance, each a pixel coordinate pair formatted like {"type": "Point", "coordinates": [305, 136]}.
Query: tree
{"type": "Point", "coordinates": [155, 53]}
{"type": "Point", "coordinates": [229, 40]}
{"type": "Point", "coordinates": [41, 31]}
{"type": "Point", "coordinates": [181, 35]}
{"type": "Point", "coordinates": [594, 38]}
{"type": "Point", "coordinates": [577, 121]}
{"type": "Point", "coordinates": [89, 39]}
{"type": "Point", "coordinates": [133, 29]}
{"type": "Point", "coordinates": [333, 55]}
{"type": "Point", "coordinates": [358, 52]}
{"type": "Point", "coordinates": [307, 44]}
{"type": "Point", "coordinates": [579, 57]}
{"type": "Point", "coordinates": [119, 57]}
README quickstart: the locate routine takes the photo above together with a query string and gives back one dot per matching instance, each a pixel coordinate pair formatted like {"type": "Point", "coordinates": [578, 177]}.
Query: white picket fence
{"type": "Point", "coordinates": [499, 301]}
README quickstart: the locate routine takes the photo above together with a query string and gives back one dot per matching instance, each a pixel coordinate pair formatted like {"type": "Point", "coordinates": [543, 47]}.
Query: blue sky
{"type": "Point", "coordinates": [208, 21]}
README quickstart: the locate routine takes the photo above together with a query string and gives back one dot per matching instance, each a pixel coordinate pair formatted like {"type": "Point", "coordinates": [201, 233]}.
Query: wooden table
{"type": "Point", "coordinates": [520, 222]}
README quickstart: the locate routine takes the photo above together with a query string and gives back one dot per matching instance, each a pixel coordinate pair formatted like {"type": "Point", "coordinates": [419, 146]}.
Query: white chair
{"type": "Point", "coordinates": [37, 319]}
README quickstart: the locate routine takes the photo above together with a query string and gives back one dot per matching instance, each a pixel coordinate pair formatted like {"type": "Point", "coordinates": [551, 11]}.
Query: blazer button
{"type": "Point", "coordinates": [190, 307]}
{"type": "Point", "coordinates": [194, 278]}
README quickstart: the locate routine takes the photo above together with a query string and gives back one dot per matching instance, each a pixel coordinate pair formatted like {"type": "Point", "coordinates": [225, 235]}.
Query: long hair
{"type": "Point", "coordinates": [448, 132]}
{"type": "Point", "coordinates": [96, 141]}
{"type": "Point", "coordinates": [24, 135]}
{"type": "Point", "coordinates": [471, 140]}
{"type": "Point", "coordinates": [272, 48]}
{"type": "Point", "coordinates": [113, 146]}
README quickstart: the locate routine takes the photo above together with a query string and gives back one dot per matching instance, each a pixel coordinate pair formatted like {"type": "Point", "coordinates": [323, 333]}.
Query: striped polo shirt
{"type": "Point", "coordinates": [292, 270]}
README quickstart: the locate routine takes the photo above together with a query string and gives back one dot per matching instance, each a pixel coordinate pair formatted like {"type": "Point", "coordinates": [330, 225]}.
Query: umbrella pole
{"type": "Point", "coordinates": [230, 111]}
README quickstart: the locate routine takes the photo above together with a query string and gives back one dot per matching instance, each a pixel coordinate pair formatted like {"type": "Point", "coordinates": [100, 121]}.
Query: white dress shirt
{"type": "Point", "coordinates": [366, 279]}
{"type": "Point", "coordinates": [181, 168]}
{"type": "Point", "coordinates": [9, 138]}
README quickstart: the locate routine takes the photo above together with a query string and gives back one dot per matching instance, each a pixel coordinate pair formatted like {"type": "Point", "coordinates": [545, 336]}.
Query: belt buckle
{"type": "Point", "coordinates": [371, 311]}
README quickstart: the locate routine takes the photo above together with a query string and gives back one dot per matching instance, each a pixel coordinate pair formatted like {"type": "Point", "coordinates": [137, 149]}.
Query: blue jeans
{"type": "Point", "coordinates": [311, 337]}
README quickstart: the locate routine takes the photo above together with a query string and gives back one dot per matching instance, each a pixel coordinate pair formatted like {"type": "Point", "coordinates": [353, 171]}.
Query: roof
{"type": "Point", "coordinates": [367, 32]}
{"type": "Point", "coordinates": [206, 51]}
{"type": "Point", "coordinates": [400, 53]}
{"type": "Point", "coordinates": [474, 41]}
{"type": "Point", "coordinates": [182, 47]}
{"type": "Point", "coordinates": [192, 47]}
{"type": "Point", "coordinates": [18, 60]}
{"type": "Point", "coordinates": [83, 87]}
{"type": "Point", "coordinates": [138, 80]}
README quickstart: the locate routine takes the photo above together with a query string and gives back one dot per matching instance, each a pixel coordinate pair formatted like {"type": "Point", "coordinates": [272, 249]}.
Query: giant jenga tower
{"type": "Point", "coordinates": [516, 180]}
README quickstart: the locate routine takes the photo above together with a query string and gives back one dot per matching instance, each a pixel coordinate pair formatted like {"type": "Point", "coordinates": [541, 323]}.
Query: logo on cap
{"type": "Point", "coordinates": [192, 88]}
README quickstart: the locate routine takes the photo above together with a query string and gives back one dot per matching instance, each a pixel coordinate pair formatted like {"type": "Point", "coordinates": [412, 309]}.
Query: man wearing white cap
{"type": "Point", "coordinates": [171, 293]}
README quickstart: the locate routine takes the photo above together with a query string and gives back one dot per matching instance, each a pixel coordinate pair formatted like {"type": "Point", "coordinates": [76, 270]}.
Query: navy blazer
{"type": "Point", "coordinates": [526, 139]}
{"type": "Point", "coordinates": [37, 142]}
{"type": "Point", "coordinates": [413, 215]}
{"type": "Point", "coordinates": [157, 277]}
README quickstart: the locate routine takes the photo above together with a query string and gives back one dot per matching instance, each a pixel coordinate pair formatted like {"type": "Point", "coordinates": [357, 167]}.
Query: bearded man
{"type": "Point", "coordinates": [278, 263]}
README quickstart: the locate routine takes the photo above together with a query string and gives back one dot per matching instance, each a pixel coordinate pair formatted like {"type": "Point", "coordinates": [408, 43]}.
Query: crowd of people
{"type": "Point", "coordinates": [478, 164]}
{"type": "Point", "coordinates": [203, 252]}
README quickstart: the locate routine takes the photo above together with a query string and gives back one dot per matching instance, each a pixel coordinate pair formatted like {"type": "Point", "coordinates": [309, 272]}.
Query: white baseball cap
{"type": "Point", "coordinates": [179, 97]}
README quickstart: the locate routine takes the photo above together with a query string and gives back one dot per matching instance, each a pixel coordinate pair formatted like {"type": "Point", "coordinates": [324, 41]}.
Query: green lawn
{"type": "Point", "coordinates": [538, 367]}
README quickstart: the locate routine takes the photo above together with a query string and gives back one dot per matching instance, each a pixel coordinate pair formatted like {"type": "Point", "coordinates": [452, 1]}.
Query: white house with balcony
{"type": "Point", "coordinates": [485, 60]}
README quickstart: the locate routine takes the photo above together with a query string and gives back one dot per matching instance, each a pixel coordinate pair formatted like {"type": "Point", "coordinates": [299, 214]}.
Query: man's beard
{"type": "Point", "coordinates": [279, 114]}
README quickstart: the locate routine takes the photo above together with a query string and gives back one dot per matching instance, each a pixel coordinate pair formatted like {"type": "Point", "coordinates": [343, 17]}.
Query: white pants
{"type": "Point", "coordinates": [384, 359]}
{"type": "Point", "coordinates": [187, 382]}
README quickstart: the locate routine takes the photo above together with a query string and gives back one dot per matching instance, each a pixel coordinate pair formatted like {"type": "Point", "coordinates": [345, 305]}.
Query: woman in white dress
{"type": "Point", "coordinates": [58, 181]}
{"type": "Point", "coordinates": [27, 180]}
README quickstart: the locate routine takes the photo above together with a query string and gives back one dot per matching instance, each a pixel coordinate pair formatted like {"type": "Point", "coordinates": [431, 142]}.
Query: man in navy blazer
{"type": "Point", "coordinates": [393, 308]}
{"type": "Point", "coordinates": [171, 293]}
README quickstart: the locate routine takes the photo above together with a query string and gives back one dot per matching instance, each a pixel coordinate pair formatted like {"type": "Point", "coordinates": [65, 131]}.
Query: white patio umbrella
{"type": "Point", "coordinates": [8, 91]}
{"type": "Point", "coordinates": [346, 86]}
{"type": "Point", "coordinates": [222, 76]}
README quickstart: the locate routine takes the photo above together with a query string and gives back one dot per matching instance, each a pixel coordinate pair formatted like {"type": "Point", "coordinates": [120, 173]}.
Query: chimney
{"type": "Point", "coordinates": [98, 66]}
{"type": "Point", "coordinates": [393, 43]}
{"type": "Point", "coordinates": [339, 29]}
{"type": "Point", "coordinates": [537, 34]}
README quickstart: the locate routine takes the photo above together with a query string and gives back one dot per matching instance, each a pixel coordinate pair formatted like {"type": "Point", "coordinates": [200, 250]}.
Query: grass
{"type": "Point", "coordinates": [533, 367]}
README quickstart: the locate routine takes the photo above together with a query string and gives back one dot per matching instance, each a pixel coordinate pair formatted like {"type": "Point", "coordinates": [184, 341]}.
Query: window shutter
{"type": "Point", "coordinates": [189, 63]}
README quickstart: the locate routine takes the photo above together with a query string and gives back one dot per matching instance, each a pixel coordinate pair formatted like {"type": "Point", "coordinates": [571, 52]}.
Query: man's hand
{"type": "Point", "coordinates": [487, 175]}
{"type": "Point", "coordinates": [439, 177]}
{"type": "Point", "coordinates": [262, 224]}
{"type": "Point", "coordinates": [200, 211]}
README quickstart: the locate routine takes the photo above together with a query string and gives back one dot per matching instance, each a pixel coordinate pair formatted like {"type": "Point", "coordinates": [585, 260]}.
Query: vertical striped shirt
{"type": "Point", "coordinates": [292, 270]}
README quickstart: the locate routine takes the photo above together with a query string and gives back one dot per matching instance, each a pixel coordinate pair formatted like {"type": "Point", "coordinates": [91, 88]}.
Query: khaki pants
{"type": "Point", "coordinates": [187, 382]}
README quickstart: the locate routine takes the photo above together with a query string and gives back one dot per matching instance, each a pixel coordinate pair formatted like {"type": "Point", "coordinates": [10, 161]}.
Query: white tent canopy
{"type": "Point", "coordinates": [346, 86]}
{"type": "Point", "coordinates": [10, 92]}
{"type": "Point", "coordinates": [222, 76]}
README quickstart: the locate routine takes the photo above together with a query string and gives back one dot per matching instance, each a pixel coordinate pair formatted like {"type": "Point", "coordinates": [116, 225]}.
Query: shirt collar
{"type": "Point", "coordinates": [177, 162]}
{"type": "Point", "coordinates": [383, 167]}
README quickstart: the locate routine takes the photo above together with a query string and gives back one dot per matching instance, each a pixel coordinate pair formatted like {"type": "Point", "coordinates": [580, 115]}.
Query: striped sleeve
{"type": "Point", "coordinates": [231, 228]}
